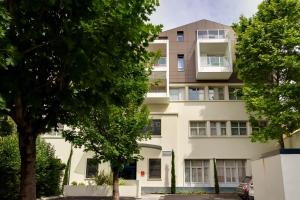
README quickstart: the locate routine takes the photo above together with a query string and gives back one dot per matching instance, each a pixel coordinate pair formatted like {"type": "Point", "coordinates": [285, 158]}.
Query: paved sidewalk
{"type": "Point", "coordinates": [202, 197]}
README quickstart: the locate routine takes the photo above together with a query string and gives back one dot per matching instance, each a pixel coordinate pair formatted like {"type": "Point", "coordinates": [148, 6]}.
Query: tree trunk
{"type": "Point", "coordinates": [281, 142]}
{"type": "Point", "coordinates": [27, 148]}
{"type": "Point", "coordinates": [116, 194]}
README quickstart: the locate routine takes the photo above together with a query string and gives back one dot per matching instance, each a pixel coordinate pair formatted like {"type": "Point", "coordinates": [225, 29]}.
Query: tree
{"type": "Point", "coordinates": [60, 58]}
{"type": "Point", "coordinates": [173, 175]}
{"type": "Point", "coordinates": [49, 169]}
{"type": "Point", "coordinates": [113, 137]}
{"type": "Point", "coordinates": [7, 126]}
{"type": "Point", "coordinates": [217, 188]}
{"type": "Point", "coordinates": [268, 61]}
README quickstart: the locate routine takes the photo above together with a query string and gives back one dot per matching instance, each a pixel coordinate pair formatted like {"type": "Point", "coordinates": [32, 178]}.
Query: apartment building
{"type": "Point", "coordinates": [196, 110]}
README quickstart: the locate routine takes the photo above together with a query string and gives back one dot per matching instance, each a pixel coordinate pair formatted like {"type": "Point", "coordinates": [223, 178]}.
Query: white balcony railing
{"type": "Point", "coordinates": [162, 62]}
{"type": "Point", "coordinates": [214, 61]}
{"type": "Point", "coordinates": [212, 34]}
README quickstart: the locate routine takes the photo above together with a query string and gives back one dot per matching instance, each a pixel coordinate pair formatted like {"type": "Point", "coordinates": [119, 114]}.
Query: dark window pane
{"type": "Point", "coordinates": [91, 168]}
{"type": "Point", "coordinates": [154, 168]}
{"type": "Point", "coordinates": [156, 127]}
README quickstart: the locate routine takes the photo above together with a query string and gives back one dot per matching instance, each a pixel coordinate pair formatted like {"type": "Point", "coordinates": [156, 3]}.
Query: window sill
{"type": "Point", "coordinates": [156, 136]}
{"type": "Point", "coordinates": [154, 179]}
{"type": "Point", "coordinates": [176, 101]}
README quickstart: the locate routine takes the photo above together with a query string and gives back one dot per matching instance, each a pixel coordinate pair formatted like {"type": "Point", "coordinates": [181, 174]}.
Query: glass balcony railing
{"type": "Point", "coordinates": [214, 61]}
{"type": "Point", "coordinates": [162, 62]}
{"type": "Point", "coordinates": [212, 34]}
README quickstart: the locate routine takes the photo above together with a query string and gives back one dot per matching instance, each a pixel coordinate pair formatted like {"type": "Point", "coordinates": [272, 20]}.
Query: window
{"type": "Point", "coordinates": [177, 94]}
{"type": "Point", "coordinates": [154, 168]}
{"type": "Point", "coordinates": [196, 93]}
{"type": "Point", "coordinates": [156, 126]}
{"type": "Point", "coordinates": [196, 171]}
{"type": "Point", "coordinates": [162, 61]}
{"type": "Point", "coordinates": [238, 128]}
{"type": "Point", "coordinates": [235, 93]}
{"type": "Point", "coordinates": [197, 128]}
{"type": "Point", "coordinates": [216, 93]}
{"type": "Point", "coordinates": [217, 128]}
{"type": "Point", "coordinates": [91, 168]}
{"type": "Point", "coordinates": [180, 62]}
{"type": "Point", "coordinates": [180, 36]}
{"type": "Point", "coordinates": [231, 171]}
{"type": "Point", "coordinates": [258, 126]}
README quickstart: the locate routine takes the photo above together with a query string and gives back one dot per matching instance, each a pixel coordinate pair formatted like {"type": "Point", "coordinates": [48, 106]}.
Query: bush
{"type": "Point", "coordinates": [104, 179]}
{"type": "Point", "coordinates": [48, 169]}
{"type": "Point", "coordinates": [173, 175]}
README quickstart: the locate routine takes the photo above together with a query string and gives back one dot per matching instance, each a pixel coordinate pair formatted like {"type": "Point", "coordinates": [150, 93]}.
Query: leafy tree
{"type": "Point", "coordinates": [173, 175]}
{"type": "Point", "coordinates": [268, 61]}
{"type": "Point", "coordinates": [7, 126]}
{"type": "Point", "coordinates": [113, 137]}
{"type": "Point", "coordinates": [49, 169]}
{"type": "Point", "coordinates": [60, 58]}
{"type": "Point", "coordinates": [217, 187]}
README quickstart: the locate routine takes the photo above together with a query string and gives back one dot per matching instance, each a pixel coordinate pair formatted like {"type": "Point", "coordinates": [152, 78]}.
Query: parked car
{"type": "Point", "coordinates": [243, 189]}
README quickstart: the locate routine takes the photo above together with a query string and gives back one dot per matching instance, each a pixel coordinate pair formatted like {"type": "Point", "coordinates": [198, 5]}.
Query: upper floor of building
{"type": "Point", "coordinates": [199, 52]}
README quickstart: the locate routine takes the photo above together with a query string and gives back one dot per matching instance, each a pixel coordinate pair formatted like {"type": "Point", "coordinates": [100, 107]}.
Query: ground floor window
{"type": "Point", "coordinates": [196, 171]}
{"type": "Point", "coordinates": [154, 168]}
{"type": "Point", "coordinates": [231, 171]}
{"type": "Point", "coordinates": [91, 168]}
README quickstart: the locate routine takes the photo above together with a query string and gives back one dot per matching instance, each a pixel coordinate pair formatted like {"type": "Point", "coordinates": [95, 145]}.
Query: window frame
{"type": "Point", "coordinates": [200, 91]}
{"type": "Point", "coordinates": [179, 67]}
{"type": "Point", "coordinates": [219, 127]}
{"type": "Point", "coordinates": [232, 96]}
{"type": "Point", "coordinates": [87, 172]}
{"type": "Point", "coordinates": [236, 168]}
{"type": "Point", "coordinates": [204, 167]}
{"type": "Point", "coordinates": [178, 89]}
{"type": "Point", "coordinates": [214, 94]}
{"type": "Point", "coordinates": [198, 128]}
{"type": "Point", "coordinates": [149, 169]}
{"type": "Point", "coordinates": [239, 127]}
{"type": "Point", "coordinates": [180, 36]}
{"type": "Point", "coordinates": [152, 128]}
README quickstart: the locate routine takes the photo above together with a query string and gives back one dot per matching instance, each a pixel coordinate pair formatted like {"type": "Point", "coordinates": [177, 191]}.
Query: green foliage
{"type": "Point", "coordinates": [49, 169]}
{"type": "Point", "coordinates": [103, 178]}
{"type": "Point", "coordinates": [66, 178]}
{"type": "Point", "coordinates": [9, 168]}
{"type": "Point", "coordinates": [59, 59]}
{"type": "Point", "coordinates": [74, 183]}
{"type": "Point", "coordinates": [173, 175]}
{"type": "Point", "coordinates": [217, 188]}
{"type": "Point", "coordinates": [268, 61]}
{"type": "Point", "coordinates": [7, 126]}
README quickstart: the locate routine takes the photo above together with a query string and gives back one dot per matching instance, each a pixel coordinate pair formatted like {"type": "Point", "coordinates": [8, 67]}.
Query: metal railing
{"type": "Point", "coordinates": [214, 61]}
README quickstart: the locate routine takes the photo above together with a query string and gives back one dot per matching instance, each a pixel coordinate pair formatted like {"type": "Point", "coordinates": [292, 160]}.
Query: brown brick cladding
{"type": "Point", "coordinates": [188, 49]}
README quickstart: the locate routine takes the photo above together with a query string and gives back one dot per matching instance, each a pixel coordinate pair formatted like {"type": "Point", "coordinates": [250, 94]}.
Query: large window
{"type": "Point", "coordinates": [162, 62]}
{"type": "Point", "coordinates": [196, 171]}
{"type": "Point", "coordinates": [238, 128]}
{"type": "Point", "coordinates": [91, 168]}
{"type": "Point", "coordinates": [197, 128]}
{"type": "Point", "coordinates": [154, 168]}
{"type": "Point", "coordinates": [156, 126]}
{"type": "Point", "coordinates": [196, 93]}
{"type": "Point", "coordinates": [258, 126]}
{"type": "Point", "coordinates": [177, 94]}
{"type": "Point", "coordinates": [180, 36]}
{"type": "Point", "coordinates": [235, 93]}
{"type": "Point", "coordinates": [217, 128]}
{"type": "Point", "coordinates": [231, 171]}
{"type": "Point", "coordinates": [216, 93]}
{"type": "Point", "coordinates": [180, 62]}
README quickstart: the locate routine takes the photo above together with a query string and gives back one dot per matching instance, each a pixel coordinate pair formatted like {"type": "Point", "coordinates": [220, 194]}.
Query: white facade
{"type": "Point", "coordinates": [199, 120]}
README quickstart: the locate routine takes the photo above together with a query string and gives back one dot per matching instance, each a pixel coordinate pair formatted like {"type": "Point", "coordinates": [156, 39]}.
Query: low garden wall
{"type": "Point", "coordinates": [131, 190]}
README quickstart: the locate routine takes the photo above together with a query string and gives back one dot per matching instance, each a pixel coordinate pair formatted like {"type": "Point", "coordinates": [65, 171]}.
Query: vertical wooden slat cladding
{"type": "Point", "coordinates": [187, 47]}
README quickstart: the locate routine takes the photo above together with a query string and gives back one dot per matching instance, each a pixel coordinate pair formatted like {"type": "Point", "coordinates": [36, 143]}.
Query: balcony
{"type": "Point", "coordinates": [159, 79]}
{"type": "Point", "coordinates": [213, 50]}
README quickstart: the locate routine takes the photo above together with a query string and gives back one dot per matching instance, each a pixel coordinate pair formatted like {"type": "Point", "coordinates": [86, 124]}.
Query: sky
{"type": "Point", "coordinates": [174, 13]}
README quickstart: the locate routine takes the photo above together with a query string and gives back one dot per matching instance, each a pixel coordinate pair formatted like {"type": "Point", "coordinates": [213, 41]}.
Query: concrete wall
{"type": "Point", "coordinates": [277, 177]}
{"type": "Point", "coordinates": [293, 141]}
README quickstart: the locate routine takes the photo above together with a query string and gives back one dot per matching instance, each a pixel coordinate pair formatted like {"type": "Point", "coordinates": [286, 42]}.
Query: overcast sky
{"type": "Point", "coordinates": [174, 13]}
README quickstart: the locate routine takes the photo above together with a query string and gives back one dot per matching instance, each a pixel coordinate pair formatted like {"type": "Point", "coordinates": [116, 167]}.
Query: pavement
{"type": "Point", "coordinates": [225, 196]}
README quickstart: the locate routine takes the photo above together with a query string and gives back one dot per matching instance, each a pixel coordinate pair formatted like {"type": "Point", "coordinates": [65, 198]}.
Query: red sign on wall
{"type": "Point", "coordinates": [142, 173]}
